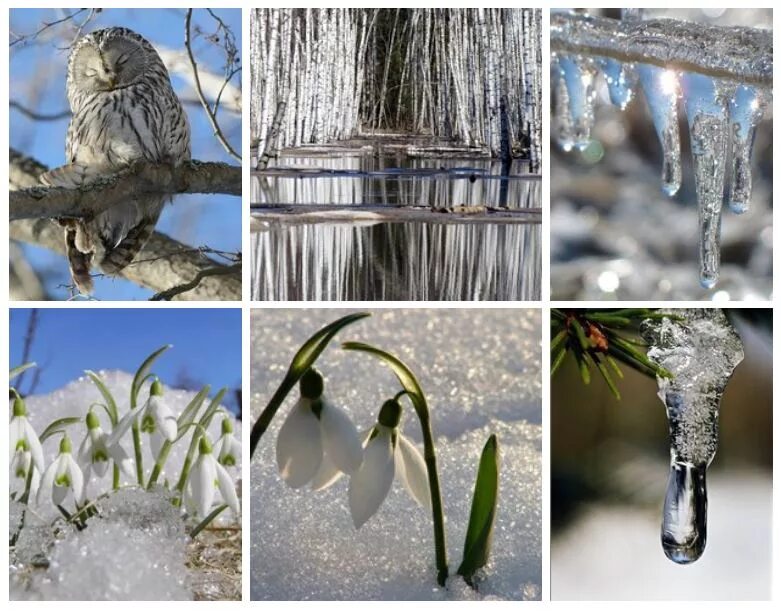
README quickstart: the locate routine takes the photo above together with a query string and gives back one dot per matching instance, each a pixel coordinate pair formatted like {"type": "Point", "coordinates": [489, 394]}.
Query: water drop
{"type": "Point", "coordinates": [660, 87]}
{"type": "Point", "coordinates": [706, 112]}
{"type": "Point", "coordinates": [684, 519]}
{"type": "Point", "coordinates": [745, 111]}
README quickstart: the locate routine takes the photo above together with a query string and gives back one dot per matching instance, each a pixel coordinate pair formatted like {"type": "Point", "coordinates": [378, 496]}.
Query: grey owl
{"type": "Point", "coordinates": [124, 110]}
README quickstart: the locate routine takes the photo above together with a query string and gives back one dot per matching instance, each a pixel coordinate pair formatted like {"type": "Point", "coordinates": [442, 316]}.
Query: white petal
{"type": "Point", "coordinates": [327, 474]}
{"type": "Point", "coordinates": [123, 425]}
{"type": "Point", "coordinates": [59, 494]}
{"type": "Point", "coordinates": [412, 471]}
{"type": "Point", "coordinates": [202, 481]}
{"type": "Point", "coordinates": [122, 459]}
{"type": "Point", "coordinates": [370, 485]}
{"type": "Point", "coordinates": [35, 445]}
{"type": "Point", "coordinates": [227, 488]}
{"type": "Point", "coordinates": [217, 447]}
{"type": "Point", "coordinates": [47, 482]}
{"type": "Point", "coordinates": [84, 453]}
{"type": "Point", "coordinates": [16, 432]}
{"type": "Point", "coordinates": [163, 417]}
{"type": "Point", "coordinates": [156, 441]}
{"type": "Point", "coordinates": [299, 447]}
{"type": "Point", "coordinates": [77, 479]}
{"type": "Point", "coordinates": [340, 438]}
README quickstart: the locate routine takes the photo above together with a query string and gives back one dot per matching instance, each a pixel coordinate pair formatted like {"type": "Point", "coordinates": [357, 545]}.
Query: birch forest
{"type": "Point", "coordinates": [464, 77]}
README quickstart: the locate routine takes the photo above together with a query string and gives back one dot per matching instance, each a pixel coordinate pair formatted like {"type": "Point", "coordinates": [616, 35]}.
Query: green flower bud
{"type": "Point", "coordinates": [227, 426]}
{"type": "Point", "coordinates": [92, 421]}
{"type": "Point", "coordinates": [390, 414]}
{"type": "Point", "coordinates": [311, 384]}
{"type": "Point", "coordinates": [65, 445]}
{"type": "Point", "coordinates": [204, 447]}
{"type": "Point", "coordinates": [157, 389]}
{"type": "Point", "coordinates": [19, 407]}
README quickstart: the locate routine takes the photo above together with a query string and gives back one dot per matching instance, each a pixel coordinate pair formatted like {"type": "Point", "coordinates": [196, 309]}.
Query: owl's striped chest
{"type": "Point", "coordinates": [117, 128]}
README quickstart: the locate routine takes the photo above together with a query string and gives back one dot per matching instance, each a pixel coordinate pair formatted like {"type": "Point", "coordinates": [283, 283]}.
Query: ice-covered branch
{"type": "Point", "coordinates": [98, 196]}
{"type": "Point", "coordinates": [163, 262]}
{"type": "Point", "coordinates": [737, 53]}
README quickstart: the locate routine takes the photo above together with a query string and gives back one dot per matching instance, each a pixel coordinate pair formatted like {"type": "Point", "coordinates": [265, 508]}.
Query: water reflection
{"type": "Point", "coordinates": [396, 261]}
{"type": "Point", "coordinates": [398, 181]}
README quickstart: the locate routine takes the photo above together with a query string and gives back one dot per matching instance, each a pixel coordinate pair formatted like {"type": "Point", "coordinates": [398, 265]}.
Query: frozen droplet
{"type": "Point", "coordinates": [660, 87]}
{"type": "Point", "coordinates": [701, 350]}
{"type": "Point", "coordinates": [619, 82]}
{"type": "Point", "coordinates": [684, 519]}
{"type": "Point", "coordinates": [576, 97]}
{"type": "Point", "coordinates": [706, 111]}
{"type": "Point", "coordinates": [745, 111]}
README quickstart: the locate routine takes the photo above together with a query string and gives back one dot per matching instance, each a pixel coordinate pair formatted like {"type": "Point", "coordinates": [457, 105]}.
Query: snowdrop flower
{"type": "Point", "coordinates": [206, 475]}
{"type": "Point", "coordinates": [157, 419]}
{"type": "Point", "coordinates": [388, 455]}
{"type": "Point", "coordinates": [61, 477]}
{"type": "Point", "coordinates": [23, 436]}
{"type": "Point", "coordinates": [21, 463]}
{"type": "Point", "coordinates": [316, 437]}
{"type": "Point", "coordinates": [97, 448]}
{"type": "Point", "coordinates": [227, 448]}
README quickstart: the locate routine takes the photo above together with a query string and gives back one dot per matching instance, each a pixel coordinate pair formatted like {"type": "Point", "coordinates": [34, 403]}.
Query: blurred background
{"type": "Point", "coordinates": [64, 342]}
{"type": "Point", "coordinates": [40, 42]}
{"type": "Point", "coordinates": [615, 235]}
{"type": "Point", "coordinates": [609, 467]}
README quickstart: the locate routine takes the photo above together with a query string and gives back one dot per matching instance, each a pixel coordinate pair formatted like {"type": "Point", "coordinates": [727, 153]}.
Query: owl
{"type": "Point", "coordinates": [124, 110]}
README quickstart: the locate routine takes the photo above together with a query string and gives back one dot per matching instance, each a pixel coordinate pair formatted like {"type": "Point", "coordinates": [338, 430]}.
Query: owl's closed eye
{"type": "Point", "coordinates": [115, 64]}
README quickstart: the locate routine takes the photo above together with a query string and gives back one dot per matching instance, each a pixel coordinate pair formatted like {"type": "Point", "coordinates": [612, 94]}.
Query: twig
{"type": "Point", "coordinates": [169, 294]}
{"type": "Point", "coordinates": [105, 192]}
{"type": "Point", "coordinates": [39, 116]}
{"type": "Point", "coordinates": [198, 89]}
{"type": "Point", "coordinates": [736, 53]}
{"type": "Point", "coordinates": [46, 26]}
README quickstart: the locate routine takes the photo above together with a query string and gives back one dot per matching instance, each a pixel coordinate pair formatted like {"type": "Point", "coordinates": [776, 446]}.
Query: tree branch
{"type": "Point", "coordinates": [737, 53]}
{"type": "Point", "coordinates": [102, 194]}
{"type": "Point", "coordinates": [162, 263]}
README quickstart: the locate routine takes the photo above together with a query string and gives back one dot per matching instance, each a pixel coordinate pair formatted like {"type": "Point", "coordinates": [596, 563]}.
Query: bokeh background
{"type": "Point", "coordinates": [609, 467]}
{"type": "Point", "coordinates": [39, 120]}
{"type": "Point", "coordinates": [64, 342]}
{"type": "Point", "coordinates": [615, 235]}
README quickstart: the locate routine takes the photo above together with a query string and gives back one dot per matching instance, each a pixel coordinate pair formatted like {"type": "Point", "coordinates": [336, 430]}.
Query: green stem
{"type": "Point", "coordinates": [137, 452]}
{"type": "Point", "coordinates": [115, 477]}
{"type": "Point", "coordinates": [158, 468]}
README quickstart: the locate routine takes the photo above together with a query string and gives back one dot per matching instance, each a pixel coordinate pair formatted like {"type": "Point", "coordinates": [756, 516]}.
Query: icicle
{"type": "Point", "coordinates": [576, 97]}
{"type": "Point", "coordinates": [706, 112]}
{"type": "Point", "coordinates": [619, 81]}
{"type": "Point", "coordinates": [660, 87]}
{"type": "Point", "coordinates": [745, 110]}
{"type": "Point", "coordinates": [632, 14]}
{"type": "Point", "coordinates": [701, 349]}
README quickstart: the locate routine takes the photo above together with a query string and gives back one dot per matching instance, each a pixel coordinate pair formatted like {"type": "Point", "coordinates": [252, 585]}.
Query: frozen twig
{"type": "Point", "coordinates": [736, 53]}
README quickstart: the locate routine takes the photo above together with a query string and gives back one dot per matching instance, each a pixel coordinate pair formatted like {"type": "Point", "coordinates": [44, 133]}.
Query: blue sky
{"type": "Point", "coordinates": [37, 78]}
{"type": "Point", "coordinates": [206, 343]}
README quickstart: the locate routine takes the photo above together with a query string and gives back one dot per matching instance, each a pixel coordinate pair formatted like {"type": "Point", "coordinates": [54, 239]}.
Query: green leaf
{"type": "Point", "coordinates": [557, 339]}
{"type": "Point", "coordinates": [207, 520]}
{"type": "Point", "coordinates": [143, 371]}
{"type": "Point", "coordinates": [314, 346]}
{"type": "Point", "coordinates": [606, 375]}
{"type": "Point", "coordinates": [479, 533]}
{"type": "Point", "coordinates": [188, 413]}
{"type": "Point", "coordinates": [18, 370]}
{"type": "Point", "coordinates": [557, 361]}
{"type": "Point", "coordinates": [57, 427]}
{"type": "Point", "coordinates": [111, 405]}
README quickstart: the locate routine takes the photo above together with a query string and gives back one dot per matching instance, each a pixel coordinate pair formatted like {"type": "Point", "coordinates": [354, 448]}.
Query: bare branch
{"type": "Point", "coordinates": [19, 38]}
{"type": "Point", "coordinates": [737, 53]}
{"type": "Point", "coordinates": [219, 270]}
{"type": "Point", "coordinates": [39, 116]}
{"type": "Point", "coordinates": [163, 262]}
{"type": "Point", "coordinates": [209, 113]}
{"type": "Point", "coordinates": [98, 196]}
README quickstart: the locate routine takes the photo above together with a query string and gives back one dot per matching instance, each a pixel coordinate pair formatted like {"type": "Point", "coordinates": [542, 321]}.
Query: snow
{"type": "Point", "coordinates": [136, 547]}
{"type": "Point", "coordinates": [480, 370]}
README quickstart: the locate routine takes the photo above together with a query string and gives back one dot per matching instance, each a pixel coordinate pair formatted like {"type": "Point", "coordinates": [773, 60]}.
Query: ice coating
{"type": "Point", "coordinates": [745, 111]}
{"type": "Point", "coordinates": [701, 350]}
{"type": "Point", "coordinates": [619, 81]}
{"type": "Point", "coordinates": [660, 87]}
{"type": "Point", "coordinates": [662, 52]}
{"type": "Point", "coordinates": [706, 111]}
{"type": "Point", "coordinates": [577, 82]}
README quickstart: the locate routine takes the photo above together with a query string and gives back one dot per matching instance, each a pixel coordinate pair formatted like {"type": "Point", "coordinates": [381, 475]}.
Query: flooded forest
{"type": "Point", "coordinates": [396, 154]}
